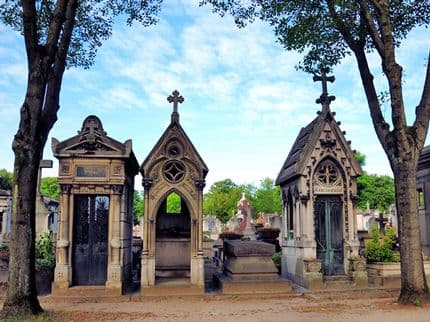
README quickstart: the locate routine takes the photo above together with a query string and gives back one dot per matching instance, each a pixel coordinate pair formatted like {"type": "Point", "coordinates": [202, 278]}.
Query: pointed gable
{"type": "Point", "coordinates": [174, 145]}
{"type": "Point", "coordinates": [323, 133]}
{"type": "Point", "coordinates": [174, 137]}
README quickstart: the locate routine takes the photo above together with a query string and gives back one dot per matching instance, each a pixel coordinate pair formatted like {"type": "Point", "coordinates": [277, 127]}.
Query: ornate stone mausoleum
{"type": "Point", "coordinates": [173, 238]}
{"type": "Point", "coordinates": [319, 194]}
{"type": "Point", "coordinates": [94, 239]}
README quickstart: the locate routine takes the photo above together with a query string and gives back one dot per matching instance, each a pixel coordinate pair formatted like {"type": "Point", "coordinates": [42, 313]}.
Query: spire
{"type": "Point", "coordinates": [175, 98]}
{"type": "Point", "coordinates": [324, 98]}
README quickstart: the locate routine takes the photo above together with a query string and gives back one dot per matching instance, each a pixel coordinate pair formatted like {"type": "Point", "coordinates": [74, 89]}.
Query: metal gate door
{"type": "Point", "coordinates": [90, 240]}
{"type": "Point", "coordinates": [329, 234]}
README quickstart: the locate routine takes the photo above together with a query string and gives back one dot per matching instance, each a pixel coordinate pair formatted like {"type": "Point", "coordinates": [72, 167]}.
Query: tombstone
{"type": "Point", "coordinates": [244, 211]}
{"type": "Point", "coordinates": [319, 194]}
{"type": "Point", "coordinates": [173, 242]}
{"type": "Point", "coordinates": [94, 239]}
{"type": "Point", "coordinates": [423, 190]}
{"type": "Point", "coordinates": [249, 268]}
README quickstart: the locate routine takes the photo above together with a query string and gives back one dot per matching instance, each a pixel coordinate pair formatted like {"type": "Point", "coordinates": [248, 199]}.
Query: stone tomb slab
{"type": "Point", "coordinates": [249, 269]}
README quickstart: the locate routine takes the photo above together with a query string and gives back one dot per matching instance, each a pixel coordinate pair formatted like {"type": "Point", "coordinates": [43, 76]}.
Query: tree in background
{"type": "Point", "coordinates": [138, 206]}
{"type": "Point", "coordinates": [221, 199]}
{"type": "Point", "coordinates": [6, 179]}
{"type": "Point", "coordinates": [267, 197]}
{"type": "Point", "coordinates": [375, 191]}
{"type": "Point", "coordinates": [329, 30]}
{"type": "Point", "coordinates": [56, 34]}
{"type": "Point", "coordinates": [173, 203]}
{"type": "Point", "coordinates": [49, 187]}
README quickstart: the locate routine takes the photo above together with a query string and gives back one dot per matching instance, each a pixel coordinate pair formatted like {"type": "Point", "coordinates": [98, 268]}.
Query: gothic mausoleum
{"type": "Point", "coordinates": [173, 237]}
{"type": "Point", "coordinates": [94, 239]}
{"type": "Point", "coordinates": [319, 194]}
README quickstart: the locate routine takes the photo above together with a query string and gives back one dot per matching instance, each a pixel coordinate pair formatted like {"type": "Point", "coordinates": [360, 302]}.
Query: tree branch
{"type": "Point", "coordinates": [381, 127]}
{"type": "Point", "coordinates": [379, 45]}
{"type": "Point", "coordinates": [340, 25]}
{"type": "Point", "coordinates": [51, 106]}
{"type": "Point", "coordinates": [31, 37]}
{"type": "Point", "coordinates": [55, 27]}
{"type": "Point", "coordinates": [422, 111]}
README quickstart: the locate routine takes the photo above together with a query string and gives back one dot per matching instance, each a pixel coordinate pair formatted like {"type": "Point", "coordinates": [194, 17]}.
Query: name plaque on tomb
{"type": "Point", "coordinates": [91, 172]}
{"type": "Point", "coordinates": [328, 189]}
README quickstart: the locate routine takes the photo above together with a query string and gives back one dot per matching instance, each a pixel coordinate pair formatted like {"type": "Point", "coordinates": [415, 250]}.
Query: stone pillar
{"type": "Point", "coordinates": [197, 259]}
{"type": "Point", "coordinates": [148, 261]}
{"type": "Point", "coordinates": [62, 276]}
{"type": "Point", "coordinates": [114, 277]}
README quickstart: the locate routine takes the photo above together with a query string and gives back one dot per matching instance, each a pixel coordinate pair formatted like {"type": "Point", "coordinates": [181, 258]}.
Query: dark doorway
{"type": "Point", "coordinates": [329, 234]}
{"type": "Point", "coordinates": [173, 243]}
{"type": "Point", "coordinates": [90, 240]}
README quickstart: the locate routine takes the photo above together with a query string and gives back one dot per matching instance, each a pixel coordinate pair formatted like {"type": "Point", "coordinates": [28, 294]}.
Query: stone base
{"type": "Point", "coordinates": [61, 276]}
{"type": "Point", "coordinates": [148, 272]}
{"type": "Point", "coordinates": [229, 286]}
{"type": "Point", "coordinates": [98, 291]}
{"type": "Point", "coordinates": [198, 271]}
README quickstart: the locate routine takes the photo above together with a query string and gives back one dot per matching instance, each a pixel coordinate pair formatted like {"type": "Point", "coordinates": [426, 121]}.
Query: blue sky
{"type": "Point", "coordinates": [244, 101]}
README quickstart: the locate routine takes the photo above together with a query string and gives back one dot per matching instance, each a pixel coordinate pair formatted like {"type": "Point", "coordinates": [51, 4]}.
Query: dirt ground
{"type": "Point", "coordinates": [334, 306]}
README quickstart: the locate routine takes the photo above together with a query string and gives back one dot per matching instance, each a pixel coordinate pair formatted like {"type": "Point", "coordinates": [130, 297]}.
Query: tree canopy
{"type": "Point", "coordinates": [6, 179]}
{"type": "Point", "coordinates": [376, 191]}
{"type": "Point", "coordinates": [221, 199]}
{"type": "Point", "coordinates": [223, 196]}
{"type": "Point", "coordinates": [267, 197]}
{"type": "Point", "coordinates": [138, 206]}
{"type": "Point", "coordinates": [49, 186]}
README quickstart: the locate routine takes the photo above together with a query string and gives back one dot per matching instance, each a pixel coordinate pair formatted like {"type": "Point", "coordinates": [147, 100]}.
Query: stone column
{"type": "Point", "coordinates": [197, 261]}
{"type": "Point", "coordinates": [114, 267]}
{"type": "Point", "coordinates": [62, 276]}
{"type": "Point", "coordinates": [147, 277]}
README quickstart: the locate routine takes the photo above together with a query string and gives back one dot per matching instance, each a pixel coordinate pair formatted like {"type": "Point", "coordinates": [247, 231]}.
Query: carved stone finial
{"type": "Point", "coordinates": [175, 98]}
{"type": "Point", "coordinates": [324, 98]}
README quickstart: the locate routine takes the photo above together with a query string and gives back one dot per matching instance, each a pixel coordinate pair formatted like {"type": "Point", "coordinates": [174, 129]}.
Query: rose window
{"type": "Point", "coordinates": [174, 171]}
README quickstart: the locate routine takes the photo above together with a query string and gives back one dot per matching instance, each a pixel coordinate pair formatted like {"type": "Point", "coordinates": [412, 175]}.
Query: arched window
{"type": "Point", "coordinates": [173, 203]}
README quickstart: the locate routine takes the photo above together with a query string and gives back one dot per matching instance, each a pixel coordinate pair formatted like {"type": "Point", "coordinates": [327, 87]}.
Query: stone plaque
{"type": "Point", "coordinates": [91, 171]}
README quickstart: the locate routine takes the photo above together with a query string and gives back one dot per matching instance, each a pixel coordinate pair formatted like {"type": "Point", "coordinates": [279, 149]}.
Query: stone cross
{"type": "Point", "coordinates": [324, 98]}
{"type": "Point", "coordinates": [175, 98]}
{"type": "Point", "coordinates": [381, 221]}
{"type": "Point", "coordinates": [42, 164]}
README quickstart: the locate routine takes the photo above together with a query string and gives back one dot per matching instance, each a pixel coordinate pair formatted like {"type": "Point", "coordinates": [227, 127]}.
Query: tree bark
{"type": "Point", "coordinates": [414, 285]}
{"type": "Point", "coordinates": [21, 296]}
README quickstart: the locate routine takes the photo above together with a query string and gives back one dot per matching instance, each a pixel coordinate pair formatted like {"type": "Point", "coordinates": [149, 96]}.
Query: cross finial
{"type": "Point", "coordinates": [175, 98]}
{"type": "Point", "coordinates": [324, 98]}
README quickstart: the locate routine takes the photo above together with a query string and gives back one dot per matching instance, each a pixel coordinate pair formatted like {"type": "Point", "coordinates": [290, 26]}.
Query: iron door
{"type": "Point", "coordinates": [329, 234]}
{"type": "Point", "coordinates": [90, 240]}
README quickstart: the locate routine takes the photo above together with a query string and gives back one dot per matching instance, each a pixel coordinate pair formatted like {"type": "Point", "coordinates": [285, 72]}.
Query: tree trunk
{"type": "Point", "coordinates": [414, 285]}
{"type": "Point", "coordinates": [21, 296]}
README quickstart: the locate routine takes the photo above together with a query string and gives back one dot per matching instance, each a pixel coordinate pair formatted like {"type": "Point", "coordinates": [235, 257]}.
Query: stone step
{"type": "Point", "coordinates": [337, 281]}
{"type": "Point", "coordinates": [85, 292]}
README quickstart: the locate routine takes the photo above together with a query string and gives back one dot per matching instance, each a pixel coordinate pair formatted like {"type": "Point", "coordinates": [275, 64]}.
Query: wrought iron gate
{"type": "Point", "coordinates": [329, 234]}
{"type": "Point", "coordinates": [90, 240]}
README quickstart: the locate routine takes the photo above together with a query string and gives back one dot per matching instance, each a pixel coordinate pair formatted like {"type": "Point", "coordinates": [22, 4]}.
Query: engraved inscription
{"type": "Point", "coordinates": [91, 172]}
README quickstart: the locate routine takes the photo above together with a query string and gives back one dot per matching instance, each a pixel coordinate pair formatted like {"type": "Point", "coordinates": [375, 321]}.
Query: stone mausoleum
{"type": "Point", "coordinates": [94, 239]}
{"type": "Point", "coordinates": [423, 188]}
{"type": "Point", "coordinates": [319, 194]}
{"type": "Point", "coordinates": [173, 239]}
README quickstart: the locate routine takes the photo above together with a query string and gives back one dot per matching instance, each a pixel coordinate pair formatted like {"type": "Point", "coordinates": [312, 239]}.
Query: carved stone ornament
{"type": "Point", "coordinates": [65, 188]}
{"type": "Point", "coordinates": [174, 171]}
{"type": "Point", "coordinates": [117, 189]}
{"type": "Point", "coordinates": [327, 178]}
